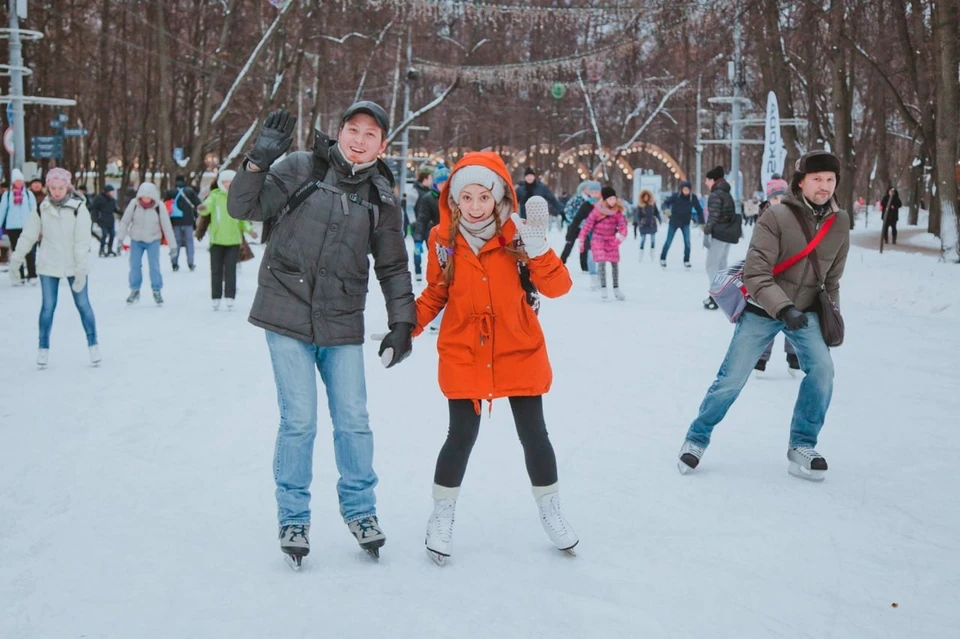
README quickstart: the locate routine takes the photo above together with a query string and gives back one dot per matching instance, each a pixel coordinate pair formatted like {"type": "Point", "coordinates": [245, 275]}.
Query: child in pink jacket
{"type": "Point", "coordinates": [607, 228]}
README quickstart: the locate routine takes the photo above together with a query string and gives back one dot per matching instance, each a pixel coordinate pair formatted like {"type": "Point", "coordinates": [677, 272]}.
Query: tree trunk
{"type": "Point", "coordinates": [164, 156]}
{"type": "Point", "coordinates": [842, 106]}
{"type": "Point", "coordinates": [948, 92]}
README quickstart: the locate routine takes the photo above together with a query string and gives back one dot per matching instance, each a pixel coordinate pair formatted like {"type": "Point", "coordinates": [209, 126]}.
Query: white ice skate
{"type": "Point", "coordinates": [617, 293]}
{"type": "Point", "coordinates": [559, 531]}
{"type": "Point", "coordinates": [216, 305]}
{"type": "Point", "coordinates": [690, 456]}
{"type": "Point", "coordinates": [603, 293]}
{"type": "Point", "coordinates": [230, 303]}
{"type": "Point", "coordinates": [439, 539]}
{"type": "Point", "coordinates": [806, 463]}
{"type": "Point", "coordinates": [594, 282]}
{"type": "Point", "coordinates": [43, 358]}
{"type": "Point", "coordinates": [295, 543]}
{"type": "Point", "coordinates": [95, 355]}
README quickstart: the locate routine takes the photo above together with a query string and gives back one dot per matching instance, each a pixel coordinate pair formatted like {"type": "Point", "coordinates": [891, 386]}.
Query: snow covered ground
{"type": "Point", "coordinates": [136, 500]}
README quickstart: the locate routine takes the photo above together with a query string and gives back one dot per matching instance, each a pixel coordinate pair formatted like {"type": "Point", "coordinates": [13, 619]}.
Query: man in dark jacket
{"type": "Point", "coordinates": [427, 216]}
{"type": "Point", "coordinates": [787, 301]}
{"type": "Point", "coordinates": [681, 206]}
{"type": "Point", "coordinates": [334, 206]}
{"type": "Point", "coordinates": [531, 186]}
{"type": "Point", "coordinates": [183, 217]}
{"type": "Point", "coordinates": [890, 213]}
{"type": "Point", "coordinates": [103, 211]}
{"type": "Point", "coordinates": [722, 227]}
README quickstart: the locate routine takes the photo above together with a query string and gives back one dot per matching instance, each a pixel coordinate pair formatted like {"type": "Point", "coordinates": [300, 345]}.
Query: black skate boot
{"type": "Point", "coordinates": [368, 534]}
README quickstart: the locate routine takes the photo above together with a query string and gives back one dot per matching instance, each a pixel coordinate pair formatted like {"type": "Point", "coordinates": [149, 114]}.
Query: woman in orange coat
{"type": "Point", "coordinates": [490, 342]}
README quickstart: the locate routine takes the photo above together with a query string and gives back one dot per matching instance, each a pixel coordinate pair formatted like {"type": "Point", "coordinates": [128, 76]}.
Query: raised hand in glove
{"type": "Point", "coordinates": [397, 345]}
{"type": "Point", "coordinates": [793, 319]}
{"type": "Point", "coordinates": [275, 138]}
{"type": "Point", "coordinates": [533, 230]}
{"type": "Point", "coordinates": [79, 282]}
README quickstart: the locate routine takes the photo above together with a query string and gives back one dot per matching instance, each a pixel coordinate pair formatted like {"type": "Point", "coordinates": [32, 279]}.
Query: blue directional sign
{"type": "Point", "coordinates": [75, 133]}
{"type": "Point", "coordinates": [46, 146]}
{"type": "Point", "coordinates": [10, 113]}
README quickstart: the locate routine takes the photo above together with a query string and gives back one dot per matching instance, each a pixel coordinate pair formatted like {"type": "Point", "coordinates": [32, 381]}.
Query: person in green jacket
{"type": "Point", "coordinates": [226, 237]}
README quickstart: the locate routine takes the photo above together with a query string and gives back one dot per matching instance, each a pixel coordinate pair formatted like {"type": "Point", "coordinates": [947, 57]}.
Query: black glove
{"type": "Point", "coordinates": [792, 318]}
{"type": "Point", "coordinates": [275, 138]}
{"type": "Point", "coordinates": [400, 342]}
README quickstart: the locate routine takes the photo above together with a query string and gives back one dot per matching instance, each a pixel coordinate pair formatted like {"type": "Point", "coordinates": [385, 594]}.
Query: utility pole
{"type": "Point", "coordinates": [699, 146]}
{"type": "Point", "coordinates": [405, 138]}
{"type": "Point", "coordinates": [16, 82]}
{"type": "Point", "coordinates": [737, 82]}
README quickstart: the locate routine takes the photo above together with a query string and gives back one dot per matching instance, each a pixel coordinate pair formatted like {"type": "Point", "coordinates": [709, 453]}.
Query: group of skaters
{"type": "Point", "coordinates": [50, 233]}
{"type": "Point", "coordinates": [488, 263]}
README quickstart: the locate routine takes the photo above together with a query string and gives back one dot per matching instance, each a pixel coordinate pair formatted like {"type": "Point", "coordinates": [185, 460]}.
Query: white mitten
{"type": "Point", "coordinates": [79, 282]}
{"type": "Point", "coordinates": [533, 230]}
{"type": "Point", "coordinates": [15, 278]}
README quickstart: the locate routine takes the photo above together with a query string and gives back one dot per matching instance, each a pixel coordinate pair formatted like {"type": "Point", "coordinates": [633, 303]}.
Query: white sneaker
{"type": "Point", "coordinates": [230, 303]}
{"type": "Point", "coordinates": [439, 538]}
{"type": "Point", "coordinates": [216, 305]}
{"type": "Point", "coordinates": [617, 293]}
{"type": "Point", "coordinates": [95, 355]}
{"type": "Point", "coordinates": [43, 357]}
{"type": "Point", "coordinates": [559, 531]}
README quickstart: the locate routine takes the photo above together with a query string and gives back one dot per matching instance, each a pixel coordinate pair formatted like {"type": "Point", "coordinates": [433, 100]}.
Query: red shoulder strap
{"type": "Point", "coordinates": [783, 266]}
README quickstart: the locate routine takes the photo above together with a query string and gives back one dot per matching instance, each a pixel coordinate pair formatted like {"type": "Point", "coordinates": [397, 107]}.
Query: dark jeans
{"type": "Point", "coordinates": [568, 248]}
{"type": "Point", "coordinates": [223, 266]}
{"type": "Point", "coordinates": [465, 425]}
{"type": "Point", "coordinates": [31, 262]}
{"type": "Point", "coordinates": [892, 225]}
{"type": "Point", "coordinates": [418, 257]}
{"type": "Point", "coordinates": [107, 235]}
{"type": "Point", "coordinates": [671, 231]}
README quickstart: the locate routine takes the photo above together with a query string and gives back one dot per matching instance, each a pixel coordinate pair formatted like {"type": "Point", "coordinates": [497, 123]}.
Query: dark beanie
{"type": "Point", "coordinates": [716, 173]}
{"type": "Point", "coordinates": [529, 171]}
{"type": "Point", "coordinates": [109, 188]}
{"type": "Point", "coordinates": [606, 192]}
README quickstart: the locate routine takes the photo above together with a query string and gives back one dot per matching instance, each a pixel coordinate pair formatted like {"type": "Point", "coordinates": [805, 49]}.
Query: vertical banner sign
{"type": "Point", "coordinates": [774, 152]}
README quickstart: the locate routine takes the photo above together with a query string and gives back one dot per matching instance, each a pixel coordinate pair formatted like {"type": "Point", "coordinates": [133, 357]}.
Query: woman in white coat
{"type": "Point", "coordinates": [146, 221]}
{"type": "Point", "coordinates": [64, 221]}
{"type": "Point", "coordinates": [16, 205]}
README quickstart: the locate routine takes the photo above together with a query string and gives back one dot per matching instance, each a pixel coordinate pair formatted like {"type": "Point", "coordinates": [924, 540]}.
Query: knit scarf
{"type": "Point", "coordinates": [59, 203]}
{"type": "Point", "coordinates": [603, 210]}
{"type": "Point", "coordinates": [477, 234]}
{"type": "Point", "coordinates": [18, 194]}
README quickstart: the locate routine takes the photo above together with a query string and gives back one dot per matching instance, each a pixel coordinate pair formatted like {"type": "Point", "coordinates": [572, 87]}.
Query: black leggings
{"type": "Point", "coordinates": [223, 270]}
{"type": "Point", "coordinates": [465, 425]}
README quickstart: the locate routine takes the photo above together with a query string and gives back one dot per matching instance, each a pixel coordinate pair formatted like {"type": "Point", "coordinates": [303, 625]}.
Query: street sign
{"type": "Point", "coordinates": [10, 113]}
{"type": "Point", "coordinates": [48, 146]}
{"type": "Point", "coordinates": [178, 154]}
{"type": "Point", "coordinates": [55, 124]}
{"type": "Point", "coordinates": [8, 140]}
{"type": "Point", "coordinates": [75, 133]}
{"type": "Point", "coordinates": [64, 117]}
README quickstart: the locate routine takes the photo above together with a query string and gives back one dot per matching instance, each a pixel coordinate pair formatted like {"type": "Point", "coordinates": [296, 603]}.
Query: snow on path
{"type": "Point", "coordinates": [136, 500]}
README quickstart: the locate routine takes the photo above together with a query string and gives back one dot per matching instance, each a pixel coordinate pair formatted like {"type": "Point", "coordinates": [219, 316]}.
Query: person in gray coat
{"type": "Point", "coordinates": [330, 208]}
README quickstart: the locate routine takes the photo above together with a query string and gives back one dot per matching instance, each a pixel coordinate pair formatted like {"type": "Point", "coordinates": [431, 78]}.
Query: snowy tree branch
{"type": "Point", "coordinates": [425, 109]}
{"type": "Point", "coordinates": [593, 123]}
{"type": "Point", "coordinates": [652, 115]}
{"type": "Point", "coordinates": [241, 143]}
{"type": "Point", "coordinates": [366, 67]}
{"type": "Point", "coordinates": [249, 64]}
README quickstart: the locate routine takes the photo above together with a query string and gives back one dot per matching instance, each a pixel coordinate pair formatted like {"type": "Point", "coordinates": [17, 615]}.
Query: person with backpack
{"type": "Point", "coordinates": [64, 222]}
{"type": "Point", "coordinates": [226, 237]}
{"type": "Point", "coordinates": [602, 233]}
{"type": "Point", "coordinates": [16, 206]}
{"type": "Point", "coordinates": [723, 228]}
{"type": "Point", "coordinates": [647, 216]}
{"type": "Point", "coordinates": [490, 343]}
{"type": "Point", "coordinates": [183, 216]}
{"type": "Point", "coordinates": [334, 206]}
{"type": "Point", "coordinates": [145, 222]}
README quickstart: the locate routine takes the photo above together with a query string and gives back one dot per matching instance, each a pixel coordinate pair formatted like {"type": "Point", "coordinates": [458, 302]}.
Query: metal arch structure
{"type": "Point", "coordinates": [573, 157]}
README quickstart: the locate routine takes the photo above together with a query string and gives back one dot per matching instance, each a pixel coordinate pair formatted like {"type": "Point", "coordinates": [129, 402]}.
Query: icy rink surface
{"type": "Point", "coordinates": [136, 499]}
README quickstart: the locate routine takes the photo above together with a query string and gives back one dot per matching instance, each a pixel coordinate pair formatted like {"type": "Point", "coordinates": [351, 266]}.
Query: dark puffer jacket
{"type": "Point", "coordinates": [526, 191]}
{"type": "Point", "coordinates": [682, 206]}
{"type": "Point", "coordinates": [104, 209]}
{"type": "Point", "coordinates": [723, 223]}
{"type": "Point", "coordinates": [427, 212]}
{"type": "Point", "coordinates": [313, 278]}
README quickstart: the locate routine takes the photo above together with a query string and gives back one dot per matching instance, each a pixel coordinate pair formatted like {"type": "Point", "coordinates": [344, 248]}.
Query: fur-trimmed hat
{"type": "Point", "coordinates": [817, 162]}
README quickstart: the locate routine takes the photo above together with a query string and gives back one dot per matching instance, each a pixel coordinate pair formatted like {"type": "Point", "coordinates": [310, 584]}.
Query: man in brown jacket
{"type": "Point", "coordinates": [785, 302]}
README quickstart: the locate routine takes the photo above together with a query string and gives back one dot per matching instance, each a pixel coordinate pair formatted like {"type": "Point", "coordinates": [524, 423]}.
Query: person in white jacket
{"type": "Point", "coordinates": [145, 222]}
{"type": "Point", "coordinates": [16, 205]}
{"type": "Point", "coordinates": [64, 221]}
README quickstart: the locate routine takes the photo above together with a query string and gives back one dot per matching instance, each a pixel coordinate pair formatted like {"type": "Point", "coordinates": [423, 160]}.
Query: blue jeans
{"type": "Point", "coordinates": [50, 287]}
{"type": "Point", "coordinates": [643, 240]}
{"type": "Point", "coordinates": [184, 235]}
{"type": "Point", "coordinates": [591, 265]}
{"type": "Point", "coordinates": [750, 338]}
{"type": "Point", "coordinates": [417, 257]}
{"type": "Point", "coordinates": [341, 369]}
{"type": "Point", "coordinates": [152, 250]}
{"type": "Point", "coordinates": [671, 231]}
